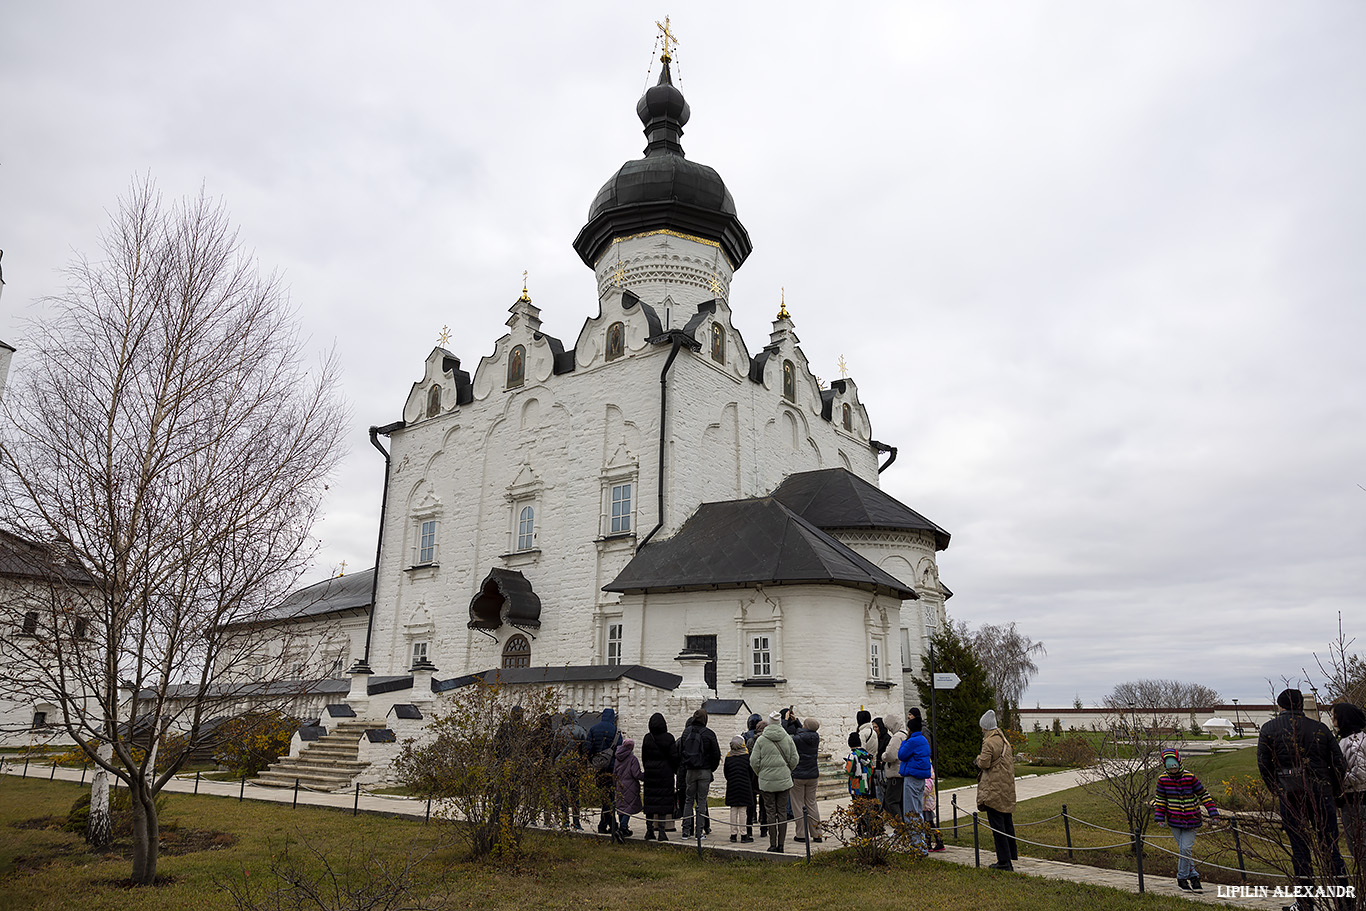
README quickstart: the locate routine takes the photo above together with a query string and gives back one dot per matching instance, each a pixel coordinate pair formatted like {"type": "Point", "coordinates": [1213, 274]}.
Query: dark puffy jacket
{"type": "Point", "coordinates": [698, 749]}
{"type": "Point", "coordinates": [660, 762]}
{"type": "Point", "coordinates": [808, 744]}
{"type": "Point", "coordinates": [739, 789]}
{"type": "Point", "coordinates": [1294, 749]}
{"type": "Point", "coordinates": [604, 736]}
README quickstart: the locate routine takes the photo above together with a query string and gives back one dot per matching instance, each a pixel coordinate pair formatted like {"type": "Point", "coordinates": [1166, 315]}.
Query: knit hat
{"type": "Point", "coordinates": [737, 744]}
{"type": "Point", "coordinates": [914, 725]}
{"type": "Point", "coordinates": [811, 724]}
{"type": "Point", "coordinates": [1290, 700]}
{"type": "Point", "coordinates": [988, 721]}
{"type": "Point", "coordinates": [863, 717]}
{"type": "Point", "coordinates": [855, 741]}
{"type": "Point", "coordinates": [1170, 751]}
{"type": "Point", "coordinates": [775, 715]}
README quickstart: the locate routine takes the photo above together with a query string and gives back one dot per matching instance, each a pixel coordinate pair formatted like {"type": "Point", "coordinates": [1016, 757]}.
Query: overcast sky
{"type": "Point", "coordinates": [1097, 268]}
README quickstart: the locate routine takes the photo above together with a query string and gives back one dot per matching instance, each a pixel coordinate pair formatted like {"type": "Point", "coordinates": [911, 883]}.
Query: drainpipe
{"type": "Point", "coordinates": [890, 450]}
{"type": "Point", "coordinates": [680, 338]}
{"type": "Point", "coordinates": [364, 663]}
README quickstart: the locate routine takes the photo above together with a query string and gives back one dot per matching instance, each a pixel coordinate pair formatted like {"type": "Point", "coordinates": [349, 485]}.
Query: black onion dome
{"type": "Point", "coordinates": [664, 189]}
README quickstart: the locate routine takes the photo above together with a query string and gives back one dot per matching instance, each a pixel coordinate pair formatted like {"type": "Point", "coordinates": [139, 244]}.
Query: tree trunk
{"type": "Point", "coordinates": [99, 828]}
{"type": "Point", "coordinates": [146, 832]}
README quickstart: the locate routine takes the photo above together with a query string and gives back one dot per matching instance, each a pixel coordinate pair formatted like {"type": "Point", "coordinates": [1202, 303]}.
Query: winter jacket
{"type": "Point", "coordinates": [1179, 796]}
{"type": "Point", "coordinates": [891, 755]}
{"type": "Point", "coordinates": [858, 772]}
{"type": "Point", "coordinates": [698, 749]}
{"type": "Point", "coordinates": [603, 735]}
{"type": "Point", "coordinates": [571, 740]}
{"type": "Point", "coordinates": [914, 754]}
{"type": "Point", "coordinates": [628, 775]}
{"type": "Point", "coordinates": [996, 785]}
{"type": "Point", "coordinates": [930, 801]}
{"type": "Point", "coordinates": [1354, 755]}
{"type": "Point", "coordinates": [1296, 751]}
{"type": "Point", "coordinates": [773, 759]}
{"type": "Point", "coordinates": [808, 745]}
{"type": "Point", "coordinates": [739, 790]}
{"type": "Point", "coordinates": [867, 735]}
{"type": "Point", "coordinates": [659, 758]}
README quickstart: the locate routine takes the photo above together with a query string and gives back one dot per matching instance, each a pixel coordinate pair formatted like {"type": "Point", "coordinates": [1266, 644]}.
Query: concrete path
{"type": "Point", "coordinates": [1030, 786]}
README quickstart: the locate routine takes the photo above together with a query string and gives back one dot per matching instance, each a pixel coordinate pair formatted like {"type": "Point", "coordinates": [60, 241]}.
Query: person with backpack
{"type": "Point", "coordinates": [603, 739]}
{"type": "Point", "coordinates": [699, 756]}
{"type": "Point", "coordinates": [659, 756]}
{"type": "Point", "coordinates": [1176, 804]}
{"type": "Point", "coordinates": [893, 794]}
{"type": "Point", "coordinates": [858, 775]}
{"type": "Point", "coordinates": [571, 751]}
{"type": "Point", "coordinates": [867, 735]}
{"type": "Point", "coordinates": [773, 758]}
{"type": "Point", "coordinates": [627, 775]}
{"type": "Point", "coordinates": [739, 794]}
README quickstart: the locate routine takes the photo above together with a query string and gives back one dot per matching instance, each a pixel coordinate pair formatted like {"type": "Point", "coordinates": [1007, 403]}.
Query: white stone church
{"type": "Point", "coordinates": [649, 517]}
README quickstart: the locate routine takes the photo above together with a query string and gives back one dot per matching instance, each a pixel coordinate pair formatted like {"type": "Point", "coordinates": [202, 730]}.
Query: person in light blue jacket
{"type": "Point", "coordinates": [915, 768]}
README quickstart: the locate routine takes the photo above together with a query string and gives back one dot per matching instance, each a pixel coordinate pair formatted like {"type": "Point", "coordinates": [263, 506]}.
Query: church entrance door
{"type": "Point", "coordinates": [707, 646]}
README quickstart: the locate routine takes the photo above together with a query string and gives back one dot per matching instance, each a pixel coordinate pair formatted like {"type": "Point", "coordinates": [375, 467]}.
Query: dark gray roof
{"type": "Point", "coordinates": [21, 557]}
{"type": "Point", "coordinates": [505, 596]}
{"type": "Point", "coordinates": [340, 593]}
{"type": "Point", "coordinates": [837, 498]}
{"type": "Point", "coordinates": [724, 706]}
{"type": "Point", "coordinates": [584, 673]}
{"type": "Point", "coordinates": [740, 543]}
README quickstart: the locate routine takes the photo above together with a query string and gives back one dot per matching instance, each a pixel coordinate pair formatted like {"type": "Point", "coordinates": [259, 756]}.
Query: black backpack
{"type": "Point", "coordinates": [692, 748]}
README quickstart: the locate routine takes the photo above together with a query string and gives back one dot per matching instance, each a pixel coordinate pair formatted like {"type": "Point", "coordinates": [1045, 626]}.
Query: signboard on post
{"type": "Point", "coordinates": [946, 681]}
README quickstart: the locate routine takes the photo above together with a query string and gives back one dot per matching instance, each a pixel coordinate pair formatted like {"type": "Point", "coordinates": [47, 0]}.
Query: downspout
{"type": "Point", "coordinates": [364, 663]}
{"type": "Point", "coordinates": [678, 339]}
{"type": "Point", "coordinates": [883, 447]}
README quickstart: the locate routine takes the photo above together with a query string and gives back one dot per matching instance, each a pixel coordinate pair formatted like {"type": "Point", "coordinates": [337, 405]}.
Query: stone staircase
{"type": "Point", "coordinates": [330, 763]}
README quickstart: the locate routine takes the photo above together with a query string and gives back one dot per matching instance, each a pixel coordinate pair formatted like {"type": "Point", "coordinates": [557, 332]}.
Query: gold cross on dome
{"type": "Point", "coordinates": [668, 36]}
{"type": "Point", "coordinates": [782, 307]}
{"type": "Point", "coordinates": [342, 571]}
{"type": "Point", "coordinates": [444, 338]}
{"type": "Point", "coordinates": [844, 368]}
{"type": "Point", "coordinates": [525, 297]}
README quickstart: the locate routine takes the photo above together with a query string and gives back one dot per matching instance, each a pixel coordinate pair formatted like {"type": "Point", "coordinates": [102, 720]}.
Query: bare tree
{"type": "Point", "coordinates": [1345, 672]}
{"type": "Point", "coordinates": [1125, 777]}
{"type": "Point", "coordinates": [1008, 656]}
{"type": "Point", "coordinates": [1160, 701]}
{"type": "Point", "coordinates": [168, 438]}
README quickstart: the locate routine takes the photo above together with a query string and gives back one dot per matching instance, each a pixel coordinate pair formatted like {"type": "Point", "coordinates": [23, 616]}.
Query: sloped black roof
{"type": "Point", "coordinates": [837, 498]}
{"type": "Point", "coordinates": [330, 596]}
{"type": "Point", "coordinates": [584, 673]}
{"type": "Point", "coordinates": [22, 557]}
{"type": "Point", "coordinates": [505, 596]}
{"type": "Point", "coordinates": [750, 542]}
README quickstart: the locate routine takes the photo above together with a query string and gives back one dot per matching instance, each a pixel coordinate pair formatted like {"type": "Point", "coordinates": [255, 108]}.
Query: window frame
{"type": "Point", "coordinates": [875, 660]}
{"type": "Point", "coordinates": [521, 657]}
{"type": "Point", "coordinates": [761, 655]}
{"type": "Point", "coordinates": [426, 552]}
{"type": "Point", "coordinates": [621, 522]}
{"type": "Point", "coordinates": [613, 652]}
{"type": "Point", "coordinates": [422, 646]}
{"type": "Point", "coordinates": [29, 625]}
{"type": "Point", "coordinates": [524, 540]}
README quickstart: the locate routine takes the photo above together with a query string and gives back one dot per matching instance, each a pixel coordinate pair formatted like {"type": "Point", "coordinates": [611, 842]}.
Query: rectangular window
{"type": "Point", "coordinates": [426, 546]}
{"type": "Point", "coordinates": [82, 626]}
{"type": "Point", "coordinates": [614, 643]}
{"type": "Point", "coordinates": [30, 627]}
{"type": "Point", "coordinates": [419, 652]}
{"type": "Point", "coordinates": [761, 662]}
{"type": "Point", "coordinates": [39, 720]}
{"type": "Point", "coordinates": [874, 662]}
{"type": "Point", "coordinates": [526, 528]}
{"type": "Point", "coordinates": [621, 509]}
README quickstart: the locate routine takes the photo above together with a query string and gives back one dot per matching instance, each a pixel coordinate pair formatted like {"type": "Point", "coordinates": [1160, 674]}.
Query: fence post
{"type": "Point", "coordinates": [806, 827]}
{"type": "Point", "coordinates": [1067, 830]}
{"type": "Point", "coordinates": [296, 795]}
{"type": "Point", "coordinates": [954, 801]}
{"type": "Point", "coordinates": [85, 767]}
{"type": "Point", "coordinates": [976, 844]}
{"type": "Point", "coordinates": [355, 806]}
{"type": "Point", "coordinates": [196, 782]}
{"type": "Point", "coordinates": [242, 791]}
{"type": "Point", "coordinates": [53, 774]}
{"type": "Point", "coordinates": [429, 810]}
{"type": "Point", "coordinates": [1238, 846]}
{"type": "Point", "coordinates": [1139, 841]}
{"type": "Point", "coordinates": [25, 775]}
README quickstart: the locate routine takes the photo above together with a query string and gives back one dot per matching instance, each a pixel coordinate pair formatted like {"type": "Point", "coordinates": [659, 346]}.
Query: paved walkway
{"type": "Point", "coordinates": [1029, 786]}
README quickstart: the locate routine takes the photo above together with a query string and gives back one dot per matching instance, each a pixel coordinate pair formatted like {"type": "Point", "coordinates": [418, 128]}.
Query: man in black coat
{"type": "Point", "coordinates": [1302, 764]}
{"type": "Point", "coordinates": [699, 756]}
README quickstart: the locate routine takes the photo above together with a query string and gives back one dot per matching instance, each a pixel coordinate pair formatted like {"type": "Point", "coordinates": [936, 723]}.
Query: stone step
{"type": "Point", "coordinates": [307, 765]}
{"type": "Point", "coordinates": [332, 749]}
{"type": "Point", "coordinates": [313, 782]}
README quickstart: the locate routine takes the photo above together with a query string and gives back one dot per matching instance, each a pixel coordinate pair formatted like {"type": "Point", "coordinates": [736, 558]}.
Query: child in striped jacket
{"type": "Point", "coordinates": [1177, 804]}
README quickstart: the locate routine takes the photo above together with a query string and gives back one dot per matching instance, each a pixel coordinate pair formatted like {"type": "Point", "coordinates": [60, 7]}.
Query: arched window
{"type": "Point", "coordinates": [789, 381]}
{"type": "Point", "coordinates": [848, 417]}
{"type": "Point", "coordinates": [434, 401]}
{"type": "Point", "coordinates": [718, 343]}
{"type": "Point", "coordinates": [516, 367]}
{"type": "Point", "coordinates": [526, 528]}
{"type": "Point", "coordinates": [616, 341]}
{"type": "Point", "coordinates": [517, 652]}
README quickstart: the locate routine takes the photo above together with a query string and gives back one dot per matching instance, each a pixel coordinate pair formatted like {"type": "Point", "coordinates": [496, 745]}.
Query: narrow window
{"type": "Point", "coordinates": [419, 652]}
{"type": "Point", "coordinates": [905, 649]}
{"type": "Point", "coordinates": [81, 627]}
{"type": "Point", "coordinates": [848, 417]}
{"type": "Point", "coordinates": [526, 528]}
{"type": "Point", "coordinates": [516, 367]}
{"type": "Point", "coordinates": [789, 381]}
{"type": "Point", "coordinates": [616, 341]}
{"type": "Point", "coordinates": [614, 643]}
{"type": "Point", "coordinates": [762, 661]}
{"type": "Point", "coordinates": [875, 662]}
{"type": "Point", "coordinates": [718, 343]}
{"type": "Point", "coordinates": [39, 720]}
{"type": "Point", "coordinates": [426, 548]}
{"type": "Point", "coordinates": [30, 627]}
{"type": "Point", "coordinates": [621, 509]}
{"type": "Point", "coordinates": [517, 652]}
{"type": "Point", "coordinates": [433, 401]}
